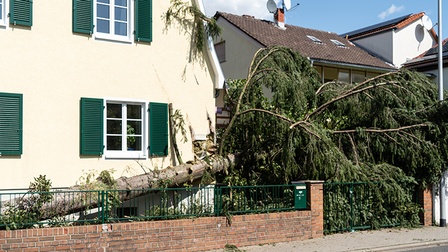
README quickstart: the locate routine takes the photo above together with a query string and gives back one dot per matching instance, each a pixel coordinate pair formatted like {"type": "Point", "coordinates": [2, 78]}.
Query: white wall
{"type": "Point", "coordinates": [398, 46]}
{"type": "Point", "coordinates": [53, 68]}
{"type": "Point", "coordinates": [381, 44]}
{"type": "Point", "coordinates": [240, 50]}
{"type": "Point", "coordinates": [410, 42]}
{"type": "Point", "coordinates": [436, 200]}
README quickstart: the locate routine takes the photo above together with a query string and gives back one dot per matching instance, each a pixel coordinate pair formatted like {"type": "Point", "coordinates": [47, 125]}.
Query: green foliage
{"type": "Point", "coordinates": [27, 210]}
{"type": "Point", "coordinates": [193, 21]}
{"type": "Point", "coordinates": [286, 125]}
{"type": "Point", "coordinates": [349, 206]}
{"type": "Point", "coordinates": [104, 181]}
{"type": "Point", "coordinates": [179, 125]}
{"type": "Point", "coordinates": [93, 181]}
{"type": "Point", "coordinates": [384, 128]}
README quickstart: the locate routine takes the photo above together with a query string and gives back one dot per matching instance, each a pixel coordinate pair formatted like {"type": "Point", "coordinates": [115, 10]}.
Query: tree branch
{"type": "Point", "coordinates": [382, 130]}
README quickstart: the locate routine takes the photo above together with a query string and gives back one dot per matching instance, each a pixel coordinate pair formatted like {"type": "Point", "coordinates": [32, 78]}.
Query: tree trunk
{"type": "Point", "coordinates": [73, 201]}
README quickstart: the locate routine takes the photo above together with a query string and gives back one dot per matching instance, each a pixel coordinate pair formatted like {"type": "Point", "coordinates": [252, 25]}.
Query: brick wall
{"type": "Point", "coordinates": [195, 234]}
{"type": "Point", "coordinates": [425, 200]}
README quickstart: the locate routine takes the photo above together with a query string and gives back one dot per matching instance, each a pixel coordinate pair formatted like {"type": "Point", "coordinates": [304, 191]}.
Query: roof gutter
{"type": "Point", "coordinates": [219, 76]}
{"type": "Point", "coordinates": [352, 66]}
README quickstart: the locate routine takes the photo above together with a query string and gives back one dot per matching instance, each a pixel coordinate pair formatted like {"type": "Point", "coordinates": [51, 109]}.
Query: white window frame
{"type": "Point", "coordinates": [111, 36]}
{"type": "Point", "coordinates": [124, 154]}
{"type": "Point", "coordinates": [314, 39]}
{"type": "Point", "coordinates": [338, 43]}
{"type": "Point", "coordinates": [4, 12]}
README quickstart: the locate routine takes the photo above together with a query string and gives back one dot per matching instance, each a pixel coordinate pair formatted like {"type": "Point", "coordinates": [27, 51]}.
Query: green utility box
{"type": "Point", "coordinates": [300, 195]}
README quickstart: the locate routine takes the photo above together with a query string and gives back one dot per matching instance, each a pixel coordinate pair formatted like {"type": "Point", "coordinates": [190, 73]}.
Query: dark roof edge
{"type": "Point", "coordinates": [353, 65]}
{"type": "Point", "coordinates": [218, 15]}
{"type": "Point", "coordinates": [376, 26]}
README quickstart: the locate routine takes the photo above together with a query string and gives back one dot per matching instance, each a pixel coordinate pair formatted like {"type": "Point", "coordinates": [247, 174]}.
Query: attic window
{"type": "Point", "coordinates": [314, 39]}
{"type": "Point", "coordinates": [337, 42]}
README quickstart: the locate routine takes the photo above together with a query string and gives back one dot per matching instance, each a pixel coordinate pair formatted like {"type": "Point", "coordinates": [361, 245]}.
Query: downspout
{"type": "Point", "coordinates": [219, 76]}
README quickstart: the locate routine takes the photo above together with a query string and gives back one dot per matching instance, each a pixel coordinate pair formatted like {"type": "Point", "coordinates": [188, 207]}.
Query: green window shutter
{"type": "Point", "coordinates": [83, 16]}
{"type": "Point", "coordinates": [158, 129]}
{"type": "Point", "coordinates": [21, 12]}
{"type": "Point", "coordinates": [143, 20]}
{"type": "Point", "coordinates": [11, 117]}
{"type": "Point", "coordinates": [91, 141]}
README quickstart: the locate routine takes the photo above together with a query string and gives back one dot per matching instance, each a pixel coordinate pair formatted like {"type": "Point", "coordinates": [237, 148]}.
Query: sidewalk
{"type": "Point", "coordinates": [378, 240]}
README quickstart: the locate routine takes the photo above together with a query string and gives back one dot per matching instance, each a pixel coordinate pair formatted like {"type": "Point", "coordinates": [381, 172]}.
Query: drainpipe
{"type": "Point", "coordinates": [442, 194]}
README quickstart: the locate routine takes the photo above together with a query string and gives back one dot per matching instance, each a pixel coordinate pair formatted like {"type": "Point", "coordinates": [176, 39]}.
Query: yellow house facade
{"type": "Point", "coordinates": [87, 85]}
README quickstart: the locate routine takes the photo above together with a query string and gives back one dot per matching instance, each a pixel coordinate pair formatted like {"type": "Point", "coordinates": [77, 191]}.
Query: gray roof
{"type": "Point", "coordinates": [380, 26]}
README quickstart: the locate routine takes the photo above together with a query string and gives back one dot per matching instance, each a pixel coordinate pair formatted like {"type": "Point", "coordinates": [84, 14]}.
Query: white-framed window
{"type": "Point", "coordinates": [314, 39]}
{"type": "Point", "coordinates": [116, 128]}
{"type": "Point", "coordinates": [113, 19]}
{"type": "Point", "coordinates": [125, 134]}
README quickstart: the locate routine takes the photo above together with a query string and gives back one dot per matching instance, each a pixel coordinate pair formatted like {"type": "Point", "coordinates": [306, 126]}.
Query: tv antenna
{"type": "Point", "coordinates": [272, 6]}
{"type": "Point", "coordinates": [283, 4]}
{"type": "Point", "coordinates": [427, 23]}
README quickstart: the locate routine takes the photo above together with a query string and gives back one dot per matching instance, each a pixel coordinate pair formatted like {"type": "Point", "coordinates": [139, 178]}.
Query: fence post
{"type": "Point", "coordinates": [425, 201]}
{"type": "Point", "coordinates": [217, 199]}
{"type": "Point", "coordinates": [316, 203]}
{"type": "Point", "coordinates": [103, 208]}
{"type": "Point", "coordinates": [352, 217]}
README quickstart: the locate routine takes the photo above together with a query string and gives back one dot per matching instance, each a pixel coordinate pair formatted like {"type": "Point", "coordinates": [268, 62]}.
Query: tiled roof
{"type": "Point", "coordinates": [396, 23]}
{"type": "Point", "coordinates": [435, 49]}
{"type": "Point", "coordinates": [299, 39]}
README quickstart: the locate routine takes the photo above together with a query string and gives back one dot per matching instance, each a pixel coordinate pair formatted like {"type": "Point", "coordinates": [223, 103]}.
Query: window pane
{"type": "Point", "coordinates": [358, 76]}
{"type": "Point", "coordinates": [330, 74]}
{"type": "Point", "coordinates": [134, 128]}
{"type": "Point", "coordinates": [121, 2]}
{"type": "Point", "coordinates": [1, 10]}
{"type": "Point", "coordinates": [134, 111]}
{"type": "Point", "coordinates": [114, 110]}
{"type": "Point", "coordinates": [103, 1]}
{"type": "Point", "coordinates": [103, 26]}
{"type": "Point", "coordinates": [121, 14]}
{"type": "Point", "coordinates": [121, 29]}
{"type": "Point", "coordinates": [220, 49]}
{"type": "Point", "coordinates": [113, 126]}
{"type": "Point", "coordinates": [344, 76]}
{"type": "Point", "coordinates": [114, 143]}
{"type": "Point", "coordinates": [134, 143]}
{"type": "Point", "coordinates": [102, 11]}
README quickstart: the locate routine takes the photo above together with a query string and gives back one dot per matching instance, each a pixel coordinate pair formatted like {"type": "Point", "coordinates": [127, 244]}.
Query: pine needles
{"type": "Point", "coordinates": [288, 126]}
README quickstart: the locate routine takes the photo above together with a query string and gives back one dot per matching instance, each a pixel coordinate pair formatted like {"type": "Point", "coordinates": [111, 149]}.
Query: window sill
{"type": "Point", "coordinates": [124, 155]}
{"type": "Point", "coordinates": [124, 40]}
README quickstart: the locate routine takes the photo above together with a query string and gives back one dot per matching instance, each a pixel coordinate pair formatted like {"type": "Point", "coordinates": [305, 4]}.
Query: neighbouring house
{"type": "Point", "coordinates": [427, 63]}
{"type": "Point", "coordinates": [334, 57]}
{"type": "Point", "coordinates": [397, 40]}
{"type": "Point", "coordinates": [89, 85]}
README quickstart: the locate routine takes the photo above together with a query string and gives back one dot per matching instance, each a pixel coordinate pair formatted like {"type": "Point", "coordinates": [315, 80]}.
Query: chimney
{"type": "Point", "coordinates": [279, 18]}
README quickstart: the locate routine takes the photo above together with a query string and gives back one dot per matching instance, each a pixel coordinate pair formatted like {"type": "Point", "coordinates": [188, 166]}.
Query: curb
{"type": "Point", "coordinates": [405, 247]}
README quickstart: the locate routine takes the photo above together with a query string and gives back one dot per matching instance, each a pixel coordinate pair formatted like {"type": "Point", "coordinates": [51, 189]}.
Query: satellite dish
{"type": "Point", "coordinates": [287, 4]}
{"type": "Point", "coordinates": [272, 6]}
{"type": "Point", "coordinates": [427, 23]}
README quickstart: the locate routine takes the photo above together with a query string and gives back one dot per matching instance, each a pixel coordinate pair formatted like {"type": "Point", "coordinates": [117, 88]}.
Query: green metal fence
{"type": "Point", "coordinates": [362, 205]}
{"type": "Point", "coordinates": [56, 208]}
{"type": "Point", "coordinates": [249, 199]}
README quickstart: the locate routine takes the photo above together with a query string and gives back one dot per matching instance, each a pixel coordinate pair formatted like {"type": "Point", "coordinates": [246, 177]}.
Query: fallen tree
{"type": "Point", "coordinates": [39, 204]}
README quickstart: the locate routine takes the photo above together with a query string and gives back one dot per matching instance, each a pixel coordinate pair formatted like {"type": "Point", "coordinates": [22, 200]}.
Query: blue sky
{"type": "Point", "coordinates": [335, 16]}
